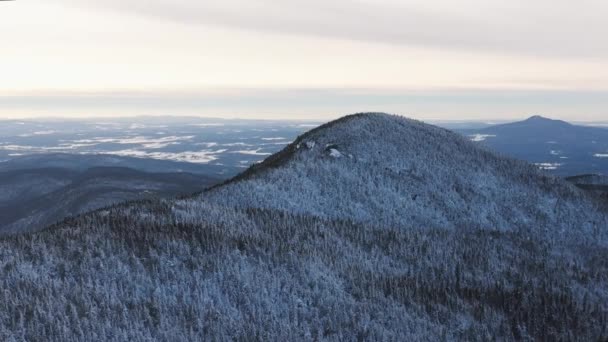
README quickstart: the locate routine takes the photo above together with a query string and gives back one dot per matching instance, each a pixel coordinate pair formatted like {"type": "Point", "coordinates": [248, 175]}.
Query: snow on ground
{"type": "Point", "coordinates": [548, 166]}
{"type": "Point", "coordinates": [199, 157]}
{"type": "Point", "coordinates": [255, 152]}
{"type": "Point", "coordinates": [481, 137]}
{"type": "Point", "coordinates": [407, 173]}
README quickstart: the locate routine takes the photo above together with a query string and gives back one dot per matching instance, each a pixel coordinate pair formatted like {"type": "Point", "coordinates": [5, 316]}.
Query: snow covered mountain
{"type": "Point", "coordinates": [371, 227]}
{"type": "Point", "coordinates": [388, 170]}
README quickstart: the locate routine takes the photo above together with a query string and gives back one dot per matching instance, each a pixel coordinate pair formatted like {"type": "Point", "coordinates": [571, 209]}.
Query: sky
{"type": "Point", "coordinates": [313, 59]}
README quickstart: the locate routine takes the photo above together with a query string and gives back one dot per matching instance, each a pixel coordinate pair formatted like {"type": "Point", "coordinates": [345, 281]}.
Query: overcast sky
{"type": "Point", "coordinates": [429, 59]}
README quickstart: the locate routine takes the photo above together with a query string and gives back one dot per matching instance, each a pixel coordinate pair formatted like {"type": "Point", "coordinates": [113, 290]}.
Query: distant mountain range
{"type": "Point", "coordinates": [370, 227]}
{"type": "Point", "coordinates": [31, 199]}
{"type": "Point", "coordinates": [82, 162]}
{"type": "Point", "coordinates": [556, 146]}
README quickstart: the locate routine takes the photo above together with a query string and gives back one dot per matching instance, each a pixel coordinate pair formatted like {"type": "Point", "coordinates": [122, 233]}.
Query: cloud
{"type": "Point", "coordinates": [556, 28]}
{"type": "Point", "coordinates": [291, 57]}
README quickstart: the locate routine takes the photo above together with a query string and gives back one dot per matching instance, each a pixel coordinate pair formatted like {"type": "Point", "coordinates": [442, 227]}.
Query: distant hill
{"type": "Point", "coordinates": [556, 146]}
{"type": "Point", "coordinates": [371, 227]}
{"type": "Point", "coordinates": [31, 199]}
{"type": "Point", "coordinates": [81, 162]}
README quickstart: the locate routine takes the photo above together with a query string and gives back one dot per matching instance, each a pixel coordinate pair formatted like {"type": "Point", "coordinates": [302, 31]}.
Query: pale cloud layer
{"type": "Point", "coordinates": [549, 28]}
{"type": "Point", "coordinates": [444, 59]}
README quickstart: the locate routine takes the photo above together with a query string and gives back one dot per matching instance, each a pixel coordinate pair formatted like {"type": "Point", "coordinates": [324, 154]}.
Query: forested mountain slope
{"type": "Point", "coordinates": [388, 170]}
{"type": "Point", "coordinates": [597, 184]}
{"type": "Point", "coordinates": [305, 265]}
{"type": "Point", "coordinates": [83, 162]}
{"type": "Point", "coordinates": [31, 199]}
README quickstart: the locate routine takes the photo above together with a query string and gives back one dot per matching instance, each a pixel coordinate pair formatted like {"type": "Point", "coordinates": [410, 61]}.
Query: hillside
{"type": "Point", "coordinates": [556, 146]}
{"type": "Point", "coordinates": [31, 199]}
{"type": "Point", "coordinates": [82, 162]}
{"type": "Point", "coordinates": [371, 227]}
{"type": "Point", "coordinates": [389, 170]}
{"type": "Point", "coordinates": [597, 184]}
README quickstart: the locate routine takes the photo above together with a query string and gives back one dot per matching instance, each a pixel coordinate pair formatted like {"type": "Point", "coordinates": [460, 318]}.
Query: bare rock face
{"type": "Point", "coordinates": [335, 153]}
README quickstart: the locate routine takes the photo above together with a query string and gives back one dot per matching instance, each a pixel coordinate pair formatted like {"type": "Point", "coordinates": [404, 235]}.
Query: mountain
{"type": "Point", "coordinates": [371, 227]}
{"type": "Point", "coordinates": [82, 162]}
{"type": "Point", "coordinates": [393, 171]}
{"type": "Point", "coordinates": [31, 199]}
{"type": "Point", "coordinates": [557, 146]}
{"type": "Point", "coordinates": [40, 189]}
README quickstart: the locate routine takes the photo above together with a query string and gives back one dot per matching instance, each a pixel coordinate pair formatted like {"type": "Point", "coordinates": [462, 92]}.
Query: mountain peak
{"type": "Point", "coordinates": [538, 119]}
{"type": "Point", "coordinates": [375, 167]}
{"type": "Point", "coordinates": [349, 130]}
